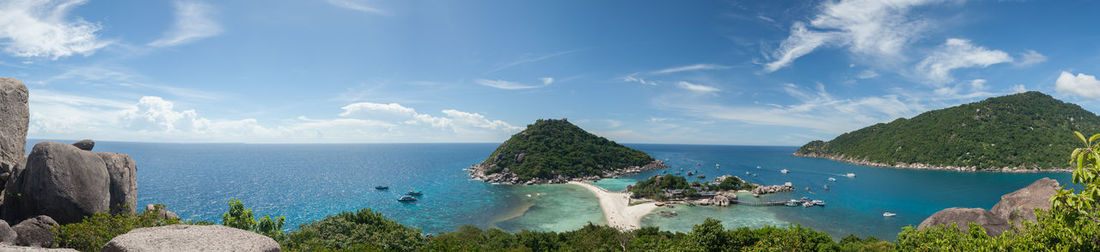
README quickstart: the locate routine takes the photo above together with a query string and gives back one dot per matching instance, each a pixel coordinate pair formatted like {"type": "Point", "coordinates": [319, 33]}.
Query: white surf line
{"type": "Point", "coordinates": [617, 209]}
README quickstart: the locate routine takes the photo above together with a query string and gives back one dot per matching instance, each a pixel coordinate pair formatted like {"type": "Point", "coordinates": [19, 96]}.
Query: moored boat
{"type": "Point", "coordinates": [832, 179]}
{"type": "Point", "coordinates": [888, 214]}
{"type": "Point", "coordinates": [850, 175]}
{"type": "Point", "coordinates": [414, 193]}
{"type": "Point", "coordinates": [381, 187]}
{"type": "Point", "coordinates": [784, 171]}
{"type": "Point", "coordinates": [407, 199]}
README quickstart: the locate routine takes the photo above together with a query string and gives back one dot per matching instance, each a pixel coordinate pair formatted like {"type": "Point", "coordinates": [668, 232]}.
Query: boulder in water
{"type": "Point", "coordinates": [191, 238]}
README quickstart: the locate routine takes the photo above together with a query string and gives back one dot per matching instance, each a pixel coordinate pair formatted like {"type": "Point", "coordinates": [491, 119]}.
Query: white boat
{"type": "Point", "coordinates": [746, 173]}
{"type": "Point", "coordinates": [832, 179]}
{"type": "Point", "coordinates": [888, 214]}
{"type": "Point", "coordinates": [757, 167]}
{"type": "Point", "coordinates": [850, 175]}
{"type": "Point", "coordinates": [784, 171]}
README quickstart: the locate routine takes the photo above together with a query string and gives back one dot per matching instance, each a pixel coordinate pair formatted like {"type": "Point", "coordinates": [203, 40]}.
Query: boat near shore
{"type": "Point", "coordinates": [850, 175]}
{"type": "Point", "coordinates": [407, 199]}
{"type": "Point", "coordinates": [888, 214]}
{"type": "Point", "coordinates": [784, 171]}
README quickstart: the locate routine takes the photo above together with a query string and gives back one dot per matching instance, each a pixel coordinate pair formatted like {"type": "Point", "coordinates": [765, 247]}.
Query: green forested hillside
{"type": "Point", "coordinates": [551, 147]}
{"type": "Point", "coordinates": [1029, 130]}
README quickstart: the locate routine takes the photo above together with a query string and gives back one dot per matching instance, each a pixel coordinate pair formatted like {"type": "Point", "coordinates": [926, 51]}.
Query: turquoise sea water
{"type": "Point", "coordinates": [307, 182]}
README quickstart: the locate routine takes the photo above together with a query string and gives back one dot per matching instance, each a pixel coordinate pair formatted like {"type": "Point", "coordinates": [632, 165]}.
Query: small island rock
{"type": "Point", "coordinates": [35, 232]}
{"type": "Point", "coordinates": [191, 238]}
{"type": "Point", "coordinates": [993, 224]}
{"type": "Point", "coordinates": [7, 234]}
{"type": "Point", "coordinates": [86, 144]}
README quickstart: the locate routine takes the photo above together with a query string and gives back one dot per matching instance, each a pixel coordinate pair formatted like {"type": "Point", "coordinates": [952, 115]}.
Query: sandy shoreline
{"type": "Point", "coordinates": [617, 209]}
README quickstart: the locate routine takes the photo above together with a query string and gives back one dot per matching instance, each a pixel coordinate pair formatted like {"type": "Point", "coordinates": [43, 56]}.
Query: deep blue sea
{"type": "Point", "coordinates": [306, 182]}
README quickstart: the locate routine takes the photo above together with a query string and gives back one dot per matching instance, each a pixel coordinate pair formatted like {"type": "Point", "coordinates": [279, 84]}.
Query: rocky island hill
{"type": "Point", "coordinates": [1028, 131]}
{"type": "Point", "coordinates": [556, 151]}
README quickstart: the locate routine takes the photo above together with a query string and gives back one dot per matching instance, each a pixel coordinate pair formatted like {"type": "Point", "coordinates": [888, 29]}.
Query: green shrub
{"type": "Point", "coordinates": [241, 218]}
{"type": "Point", "coordinates": [364, 229]}
{"type": "Point", "coordinates": [95, 231]}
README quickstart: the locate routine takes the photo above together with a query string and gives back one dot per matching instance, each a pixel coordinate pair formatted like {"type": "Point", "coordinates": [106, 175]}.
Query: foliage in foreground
{"type": "Point", "coordinates": [240, 217]}
{"type": "Point", "coordinates": [95, 231]}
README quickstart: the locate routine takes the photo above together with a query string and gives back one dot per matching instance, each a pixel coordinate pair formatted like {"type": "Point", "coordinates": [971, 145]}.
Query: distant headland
{"type": "Point", "coordinates": [1025, 132]}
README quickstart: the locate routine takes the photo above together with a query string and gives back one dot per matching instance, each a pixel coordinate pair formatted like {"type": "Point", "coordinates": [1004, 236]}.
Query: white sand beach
{"type": "Point", "coordinates": [617, 209]}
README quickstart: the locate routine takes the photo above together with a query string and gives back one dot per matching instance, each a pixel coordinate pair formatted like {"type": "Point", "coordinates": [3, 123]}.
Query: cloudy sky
{"type": "Point", "coordinates": [706, 72]}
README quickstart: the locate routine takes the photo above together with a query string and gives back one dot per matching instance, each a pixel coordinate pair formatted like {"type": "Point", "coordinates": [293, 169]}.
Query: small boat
{"type": "Point", "coordinates": [747, 173]}
{"type": "Point", "coordinates": [414, 193]}
{"type": "Point", "coordinates": [757, 167]}
{"type": "Point", "coordinates": [755, 195]}
{"type": "Point", "coordinates": [407, 198]}
{"type": "Point", "coordinates": [381, 187]}
{"type": "Point", "coordinates": [754, 174]}
{"type": "Point", "coordinates": [850, 175]}
{"type": "Point", "coordinates": [818, 202]}
{"type": "Point", "coordinates": [888, 214]}
{"type": "Point", "coordinates": [701, 176]}
{"type": "Point", "coordinates": [689, 173]}
{"type": "Point", "coordinates": [832, 179]}
{"type": "Point", "coordinates": [807, 204]}
{"type": "Point", "coordinates": [659, 203]}
{"type": "Point", "coordinates": [807, 188]}
{"type": "Point", "coordinates": [698, 164]}
{"type": "Point", "coordinates": [826, 187]}
{"type": "Point", "coordinates": [784, 171]}
{"type": "Point", "coordinates": [792, 203]}
{"type": "Point", "coordinates": [716, 166]}
{"type": "Point", "coordinates": [668, 213]}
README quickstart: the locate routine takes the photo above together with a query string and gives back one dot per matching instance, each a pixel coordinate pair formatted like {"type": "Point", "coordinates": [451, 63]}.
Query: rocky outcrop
{"type": "Point", "coordinates": [123, 187]}
{"type": "Point", "coordinates": [1020, 205]}
{"type": "Point", "coordinates": [14, 119]}
{"type": "Point", "coordinates": [35, 232]}
{"type": "Point", "coordinates": [7, 234]}
{"type": "Point", "coordinates": [506, 176]}
{"type": "Point", "coordinates": [61, 181]}
{"type": "Point", "coordinates": [724, 198]}
{"type": "Point", "coordinates": [772, 189]}
{"type": "Point", "coordinates": [162, 213]}
{"type": "Point", "coordinates": [963, 216]}
{"type": "Point", "coordinates": [922, 166]}
{"type": "Point", "coordinates": [86, 144]}
{"type": "Point", "coordinates": [190, 238]}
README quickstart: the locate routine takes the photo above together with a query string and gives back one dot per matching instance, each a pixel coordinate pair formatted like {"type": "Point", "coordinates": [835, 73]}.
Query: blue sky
{"type": "Point", "coordinates": [705, 72]}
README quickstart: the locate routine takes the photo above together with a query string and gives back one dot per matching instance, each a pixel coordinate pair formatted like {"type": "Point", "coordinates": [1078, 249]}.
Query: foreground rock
{"type": "Point", "coordinates": [35, 232]}
{"type": "Point", "coordinates": [123, 173]}
{"type": "Point", "coordinates": [10, 248]}
{"type": "Point", "coordinates": [963, 216]}
{"type": "Point", "coordinates": [14, 118]}
{"type": "Point", "coordinates": [61, 181]}
{"type": "Point", "coordinates": [1020, 205]}
{"type": "Point", "coordinates": [190, 238]}
{"type": "Point", "coordinates": [7, 234]}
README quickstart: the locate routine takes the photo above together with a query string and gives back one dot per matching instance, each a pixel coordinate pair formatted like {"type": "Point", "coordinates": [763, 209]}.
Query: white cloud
{"type": "Point", "coordinates": [635, 78]}
{"type": "Point", "coordinates": [1030, 57]}
{"type": "Point", "coordinates": [875, 29]}
{"type": "Point", "coordinates": [1082, 85]}
{"type": "Point", "coordinates": [955, 54]}
{"type": "Point", "coordinates": [696, 87]}
{"type": "Point", "coordinates": [194, 21]}
{"type": "Point", "coordinates": [973, 89]}
{"type": "Point", "coordinates": [357, 5]}
{"type": "Point", "coordinates": [534, 59]}
{"type": "Point", "coordinates": [696, 67]}
{"type": "Point", "coordinates": [508, 85]}
{"type": "Point", "coordinates": [867, 74]}
{"type": "Point", "coordinates": [1020, 88]}
{"type": "Point", "coordinates": [65, 116]}
{"type": "Point", "coordinates": [42, 28]}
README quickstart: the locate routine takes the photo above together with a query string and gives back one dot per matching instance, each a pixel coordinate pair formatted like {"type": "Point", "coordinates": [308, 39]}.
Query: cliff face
{"type": "Point", "coordinates": [556, 151]}
{"type": "Point", "coordinates": [1022, 131]}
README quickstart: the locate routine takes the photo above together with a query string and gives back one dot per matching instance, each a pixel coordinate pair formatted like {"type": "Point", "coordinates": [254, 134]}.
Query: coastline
{"type": "Point", "coordinates": [920, 166]}
{"type": "Point", "coordinates": [617, 209]}
{"type": "Point", "coordinates": [477, 172]}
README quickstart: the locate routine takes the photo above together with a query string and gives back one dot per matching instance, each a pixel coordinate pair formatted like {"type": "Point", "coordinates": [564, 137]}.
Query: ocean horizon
{"type": "Point", "coordinates": [306, 182]}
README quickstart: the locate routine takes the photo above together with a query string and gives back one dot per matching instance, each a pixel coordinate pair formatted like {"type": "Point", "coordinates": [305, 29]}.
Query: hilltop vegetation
{"type": "Point", "coordinates": [549, 148]}
{"type": "Point", "coordinates": [654, 187]}
{"type": "Point", "coordinates": [1027, 130]}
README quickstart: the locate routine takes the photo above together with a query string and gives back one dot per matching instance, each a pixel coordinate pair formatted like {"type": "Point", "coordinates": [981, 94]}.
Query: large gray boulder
{"type": "Point", "coordinates": [35, 232]}
{"type": "Point", "coordinates": [12, 248]}
{"type": "Point", "coordinates": [190, 238]}
{"type": "Point", "coordinates": [7, 234]}
{"type": "Point", "coordinates": [123, 173]}
{"type": "Point", "coordinates": [61, 181]}
{"type": "Point", "coordinates": [1020, 205]}
{"type": "Point", "coordinates": [14, 118]}
{"type": "Point", "coordinates": [993, 224]}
